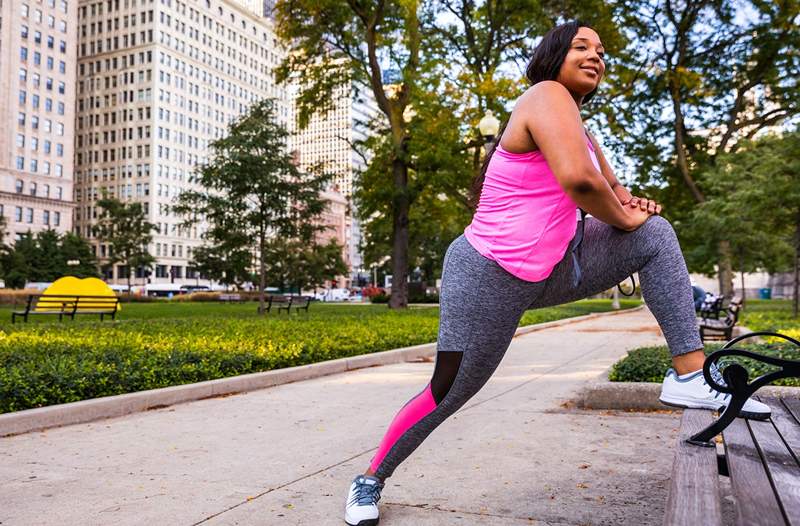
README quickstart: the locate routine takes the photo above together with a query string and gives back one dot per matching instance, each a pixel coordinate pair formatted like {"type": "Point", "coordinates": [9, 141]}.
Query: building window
{"type": "Point", "coordinates": [56, 218]}
{"type": "Point", "coordinates": [18, 214]}
{"type": "Point", "coordinates": [21, 119]}
{"type": "Point", "coordinates": [46, 217]}
{"type": "Point", "coordinates": [61, 88]}
{"type": "Point", "coordinates": [20, 141]}
{"type": "Point", "coordinates": [32, 189]}
{"type": "Point", "coordinates": [19, 186]}
{"type": "Point", "coordinates": [46, 190]}
{"type": "Point", "coordinates": [20, 162]}
{"type": "Point", "coordinates": [35, 101]}
{"type": "Point", "coordinates": [51, 42]}
{"type": "Point", "coordinates": [24, 32]}
{"type": "Point", "coordinates": [62, 46]}
{"type": "Point", "coordinates": [35, 122]}
{"type": "Point", "coordinates": [29, 215]}
{"type": "Point", "coordinates": [34, 165]}
{"type": "Point", "coordinates": [59, 173]}
{"type": "Point", "coordinates": [23, 96]}
{"type": "Point", "coordinates": [23, 75]}
{"type": "Point", "coordinates": [34, 144]}
{"type": "Point", "coordinates": [37, 37]}
{"type": "Point", "coordinates": [47, 146]}
{"type": "Point", "coordinates": [59, 192]}
{"type": "Point", "coordinates": [23, 54]}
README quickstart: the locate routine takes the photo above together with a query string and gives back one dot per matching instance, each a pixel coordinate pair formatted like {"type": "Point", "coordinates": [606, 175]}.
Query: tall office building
{"type": "Point", "coordinates": [330, 138]}
{"type": "Point", "coordinates": [37, 112]}
{"type": "Point", "coordinates": [158, 81]}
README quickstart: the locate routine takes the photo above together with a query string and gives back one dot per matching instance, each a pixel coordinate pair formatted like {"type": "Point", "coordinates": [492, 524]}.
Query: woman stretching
{"type": "Point", "coordinates": [528, 247]}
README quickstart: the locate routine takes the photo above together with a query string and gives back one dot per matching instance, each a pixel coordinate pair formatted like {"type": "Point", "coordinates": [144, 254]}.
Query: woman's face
{"type": "Point", "coordinates": [583, 66]}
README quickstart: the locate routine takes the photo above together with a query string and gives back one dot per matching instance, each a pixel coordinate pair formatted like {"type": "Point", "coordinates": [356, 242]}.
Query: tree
{"type": "Point", "coordinates": [251, 192]}
{"type": "Point", "coordinates": [124, 226]}
{"type": "Point", "coordinates": [331, 43]}
{"type": "Point", "coordinates": [300, 265]}
{"type": "Point", "coordinates": [755, 205]}
{"type": "Point", "coordinates": [46, 256]}
{"type": "Point", "coordinates": [701, 76]}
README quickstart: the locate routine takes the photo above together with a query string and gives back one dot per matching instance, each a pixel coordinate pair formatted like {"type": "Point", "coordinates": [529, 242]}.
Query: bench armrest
{"type": "Point", "coordinates": [736, 378]}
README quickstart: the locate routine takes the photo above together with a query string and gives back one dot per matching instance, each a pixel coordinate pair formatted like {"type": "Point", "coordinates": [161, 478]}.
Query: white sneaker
{"type": "Point", "coordinates": [694, 392]}
{"type": "Point", "coordinates": [362, 501]}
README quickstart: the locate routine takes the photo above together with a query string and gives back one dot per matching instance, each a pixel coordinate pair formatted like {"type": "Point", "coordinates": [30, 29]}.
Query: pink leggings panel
{"type": "Point", "coordinates": [411, 413]}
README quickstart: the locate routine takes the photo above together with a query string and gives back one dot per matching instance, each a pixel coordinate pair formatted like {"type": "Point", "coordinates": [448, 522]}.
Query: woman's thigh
{"type": "Point", "coordinates": [607, 256]}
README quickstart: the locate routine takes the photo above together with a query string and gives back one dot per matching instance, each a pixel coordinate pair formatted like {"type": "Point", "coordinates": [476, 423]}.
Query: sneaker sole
{"type": "Point", "coordinates": [365, 522]}
{"type": "Point", "coordinates": [742, 413]}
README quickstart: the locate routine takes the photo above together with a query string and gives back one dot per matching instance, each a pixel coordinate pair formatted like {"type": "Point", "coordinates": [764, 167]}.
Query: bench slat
{"type": "Point", "coordinates": [756, 502]}
{"type": "Point", "coordinates": [788, 427]}
{"type": "Point", "coordinates": [782, 467]}
{"type": "Point", "coordinates": [793, 406]}
{"type": "Point", "coordinates": [694, 496]}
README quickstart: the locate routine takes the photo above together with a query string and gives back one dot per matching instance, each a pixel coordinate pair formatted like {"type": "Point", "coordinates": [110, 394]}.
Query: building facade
{"type": "Point", "coordinates": [158, 81]}
{"type": "Point", "coordinates": [330, 143]}
{"type": "Point", "coordinates": [37, 111]}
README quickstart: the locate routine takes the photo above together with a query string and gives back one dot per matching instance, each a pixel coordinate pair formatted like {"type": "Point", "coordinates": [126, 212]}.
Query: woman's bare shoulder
{"type": "Point", "coordinates": [542, 95]}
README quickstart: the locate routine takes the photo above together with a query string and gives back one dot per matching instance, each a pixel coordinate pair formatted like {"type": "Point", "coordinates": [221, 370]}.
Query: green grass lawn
{"type": "Point", "coordinates": [648, 364]}
{"type": "Point", "coordinates": [159, 344]}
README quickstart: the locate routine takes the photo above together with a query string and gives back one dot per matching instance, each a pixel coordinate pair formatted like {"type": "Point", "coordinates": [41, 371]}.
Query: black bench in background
{"type": "Point", "coordinates": [721, 329]}
{"type": "Point", "coordinates": [70, 305]}
{"type": "Point", "coordinates": [762, 458]}
{"type": "Point", "coordinates": [711, 306]}
{"type": "Point", "coordinates": [287, 303]}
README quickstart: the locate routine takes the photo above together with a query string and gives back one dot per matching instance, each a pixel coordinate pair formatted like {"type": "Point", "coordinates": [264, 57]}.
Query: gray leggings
{"type": "Point", "coordinates": [481, 306]}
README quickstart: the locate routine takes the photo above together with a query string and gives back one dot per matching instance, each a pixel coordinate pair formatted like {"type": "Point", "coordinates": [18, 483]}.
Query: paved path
{"type": "Point", "coordinates": [515, 454]}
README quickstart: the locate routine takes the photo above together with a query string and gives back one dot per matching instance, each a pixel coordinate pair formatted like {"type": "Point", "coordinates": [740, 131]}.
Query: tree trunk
{"type": "Point", "coordinates": [725, 270]}
{"type": "Point", "coordinates": [725, 274]}
{"type": "Point", "coordinates": [615, 299]}
{"type": "Point", "coordinates": [400, 206]}
{"type": "Point", "coordinates": [262, 274]}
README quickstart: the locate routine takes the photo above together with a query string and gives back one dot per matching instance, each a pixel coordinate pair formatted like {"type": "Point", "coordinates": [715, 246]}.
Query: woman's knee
{"type": "Point", "coordinates": [656, 227]}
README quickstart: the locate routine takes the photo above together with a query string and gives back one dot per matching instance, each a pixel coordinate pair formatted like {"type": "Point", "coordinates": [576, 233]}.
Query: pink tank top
{"type": "Point", "coordinates": [524, 221]}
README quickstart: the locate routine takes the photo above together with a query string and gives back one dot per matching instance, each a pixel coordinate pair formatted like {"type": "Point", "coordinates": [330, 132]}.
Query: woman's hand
{"type": "Point", "coordinates": [635, 217]}
{"type": "Point", "coordinates": [644, 204]}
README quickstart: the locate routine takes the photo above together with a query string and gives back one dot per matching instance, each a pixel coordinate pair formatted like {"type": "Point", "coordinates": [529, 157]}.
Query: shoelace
{"type": "Point", "coordinates": [717, 376]}
{"type": "Point", "coordinates": [367, 494]}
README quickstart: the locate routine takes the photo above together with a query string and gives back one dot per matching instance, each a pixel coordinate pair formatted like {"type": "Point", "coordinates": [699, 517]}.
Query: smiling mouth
{"type": "Point", "coordinates": [592, 70]}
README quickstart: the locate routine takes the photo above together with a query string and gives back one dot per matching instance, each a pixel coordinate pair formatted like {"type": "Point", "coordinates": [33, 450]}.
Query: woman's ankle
{"type": "Point", "coordinates": [689, 362]}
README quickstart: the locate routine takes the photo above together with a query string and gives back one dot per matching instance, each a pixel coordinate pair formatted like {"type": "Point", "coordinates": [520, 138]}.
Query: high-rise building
{"type": "Point", "coordinates": [37, 112]}
{"type": "Point", "coordinates": [158, 81]}
{"type": "Point", "coordinates": [331, 140]}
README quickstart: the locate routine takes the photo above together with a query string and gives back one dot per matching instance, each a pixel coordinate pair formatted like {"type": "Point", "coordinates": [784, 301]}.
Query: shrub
{"type": "Point", "coordinates": [380, 298]}
{"type": "Point", "coordinates": [649, 364]}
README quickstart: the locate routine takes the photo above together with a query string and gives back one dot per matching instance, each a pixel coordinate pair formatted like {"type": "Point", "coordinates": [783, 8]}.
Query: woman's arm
{"type": "Point", "coordinates": [622, 193]}
{"type": "Point", "coordinates": [554, 123]}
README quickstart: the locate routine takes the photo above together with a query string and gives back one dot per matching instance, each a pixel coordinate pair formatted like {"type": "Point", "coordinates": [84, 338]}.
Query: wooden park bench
{"type": "Point", "coordinates": [762, 458]}
{"type": "Point", "coordinates": [711, 307]}
{"type": "Point", "coordinates": [721, 329]}
{"type": "Point", "coordinates": [62, 305]}
{"type": "Point", "coordinates": [288, 302]}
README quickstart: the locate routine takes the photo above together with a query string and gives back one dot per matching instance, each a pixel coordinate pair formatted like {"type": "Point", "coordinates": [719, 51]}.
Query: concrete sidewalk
{"type": "Point", "coordinates": [514, 454]}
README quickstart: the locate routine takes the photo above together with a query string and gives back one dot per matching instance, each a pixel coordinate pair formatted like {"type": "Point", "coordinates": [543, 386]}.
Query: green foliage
{"type": "Point", "coordinates": [124, 226]}
{"type": "Point", "coordinates": [649, 364]}
{"type": "Point", "coordinates": [43, 257]}
{"type": "Point", "coordinates": [251, 193]}
{"type": "Point", "coordinates": [162, 344]}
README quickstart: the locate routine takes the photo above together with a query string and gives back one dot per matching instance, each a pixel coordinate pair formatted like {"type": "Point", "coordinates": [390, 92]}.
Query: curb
{"type": "Point", "coordinates": [84, 411]}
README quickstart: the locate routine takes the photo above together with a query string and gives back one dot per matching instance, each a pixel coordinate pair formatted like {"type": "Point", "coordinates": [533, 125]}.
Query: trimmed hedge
{"type": "Point", "coordinates": [649, 364]}
{"type": "Point", "coordinates": [45, 363]}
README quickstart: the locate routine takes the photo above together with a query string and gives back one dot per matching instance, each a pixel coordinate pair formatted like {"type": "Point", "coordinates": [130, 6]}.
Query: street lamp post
{"type": "Point", "coordinates": [489, 125]}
